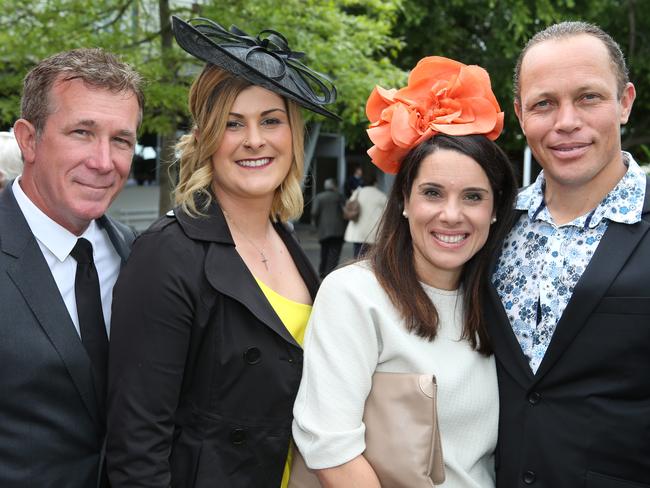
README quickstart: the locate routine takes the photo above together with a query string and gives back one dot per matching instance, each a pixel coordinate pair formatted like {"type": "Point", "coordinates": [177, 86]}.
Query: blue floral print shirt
{"type": "Point", "coordinates": [541, 262]}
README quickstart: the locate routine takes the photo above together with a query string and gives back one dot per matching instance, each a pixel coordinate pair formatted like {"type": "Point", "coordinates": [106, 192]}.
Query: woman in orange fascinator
{"type": "Point", "coordinates": [413, 307]}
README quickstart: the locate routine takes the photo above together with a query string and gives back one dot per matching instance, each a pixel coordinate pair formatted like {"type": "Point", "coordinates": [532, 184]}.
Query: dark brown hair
{"type": "Point", "coordinates": [392, 256]}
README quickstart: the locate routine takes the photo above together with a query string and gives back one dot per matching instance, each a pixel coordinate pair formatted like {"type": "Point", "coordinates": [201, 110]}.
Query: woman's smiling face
{"type": "Point", "coordinates": [255, 153]}
{"type": "Point", "coordinates": [449, 210]}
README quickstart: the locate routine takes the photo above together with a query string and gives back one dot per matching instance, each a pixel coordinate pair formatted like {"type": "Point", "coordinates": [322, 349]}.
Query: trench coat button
{"type": "Point", "coordinates": [529, 477]}
{"type": "Point", "coordinates": [252, 355]}
{"type": "Point", "coordinates": [238, 436]}
{"type": "Point", "coordinates": [534, 398]}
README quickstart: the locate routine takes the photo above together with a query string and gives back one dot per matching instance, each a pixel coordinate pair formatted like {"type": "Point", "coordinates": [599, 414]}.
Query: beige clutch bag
{"type": "Point", "coordinates": [402, 437]}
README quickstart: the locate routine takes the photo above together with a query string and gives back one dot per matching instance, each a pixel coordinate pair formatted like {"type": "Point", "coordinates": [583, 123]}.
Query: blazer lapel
{"type": "Point", "coordinates": [118, 239]}
{"type": "Point", "coordinates": [33, 278]}
{"type": "Point", "coordinates": [506, 347]}
{"type": "Point", "coordinates": [612, 253]}
{"type": "Point", "coordinates": [504, 342]}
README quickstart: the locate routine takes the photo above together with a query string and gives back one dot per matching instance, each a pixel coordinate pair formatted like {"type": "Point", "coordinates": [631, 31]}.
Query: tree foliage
{"type": "Point", "coordinates": [349, 40]}
{"type": "Point", "coordinates": [491, 34]}
{"type": "Point", "coordinates": [358, 43]}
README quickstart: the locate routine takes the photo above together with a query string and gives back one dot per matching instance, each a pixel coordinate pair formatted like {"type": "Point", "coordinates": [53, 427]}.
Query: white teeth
{"type": "Point", "coordinates": [253, 163]}
{"type": "Point", "coordinates": [450, 239]}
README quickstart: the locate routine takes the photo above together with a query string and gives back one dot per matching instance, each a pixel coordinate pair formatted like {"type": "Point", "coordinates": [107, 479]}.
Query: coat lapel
{"type": "Point", "coordinates": [228, 274]}
{"type": "Point", "coordinates": [31, 275]}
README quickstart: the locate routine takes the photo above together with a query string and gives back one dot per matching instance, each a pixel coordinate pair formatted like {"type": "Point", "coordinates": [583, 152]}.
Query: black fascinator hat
{"type": "Point", "coordinates": [264, 60]}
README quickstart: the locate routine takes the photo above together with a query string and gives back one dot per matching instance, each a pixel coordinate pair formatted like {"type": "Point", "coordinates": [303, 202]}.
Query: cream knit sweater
{"type": "Point", "coordinates": [353, 331]}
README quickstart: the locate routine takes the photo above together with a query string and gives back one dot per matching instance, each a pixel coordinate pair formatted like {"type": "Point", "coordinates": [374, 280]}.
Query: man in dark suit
{"type": "Point", "coordinates": [77, 132]}
{"type": "Point", "coordinates": [570, 309]}
{"type": "Point", "coordinates": [327, 214]}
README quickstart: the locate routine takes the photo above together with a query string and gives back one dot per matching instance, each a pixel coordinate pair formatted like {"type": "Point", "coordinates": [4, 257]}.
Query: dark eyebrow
{"type": "Point", "coordinates": [440, 187]}
{"type": "Point", "coordinates": [86, 122]}
{"type": "Point", "coordinates": [263, 114]}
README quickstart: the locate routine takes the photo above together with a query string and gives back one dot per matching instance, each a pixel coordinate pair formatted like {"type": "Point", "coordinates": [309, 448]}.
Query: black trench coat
{"type": "Point", "coordinates": [202, 372]}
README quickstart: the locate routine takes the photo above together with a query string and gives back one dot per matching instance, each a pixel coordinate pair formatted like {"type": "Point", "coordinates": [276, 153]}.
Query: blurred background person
{"type": "Point", "coordinates": [327, 215]}
{"type": "Point", "coordinates": [211, 309]}
{"type": "Point", "coordinates": [11, 161]}
{"type": "Point", "coordinates": [354, 181]}
{"type": "Point", "coordinates": [362, 233]}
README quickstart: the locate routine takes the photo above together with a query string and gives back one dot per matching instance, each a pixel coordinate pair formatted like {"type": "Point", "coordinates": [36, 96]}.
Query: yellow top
{"type": "Point", "coordinates": [294, 316]}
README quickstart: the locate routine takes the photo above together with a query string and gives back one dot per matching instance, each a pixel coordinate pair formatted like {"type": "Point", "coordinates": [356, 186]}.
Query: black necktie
{"type": "Point", "coordinates": [91, 317]}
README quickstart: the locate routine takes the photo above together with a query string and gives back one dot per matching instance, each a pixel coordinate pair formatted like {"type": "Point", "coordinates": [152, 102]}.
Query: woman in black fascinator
{"type": "Point", "coordinates": [210, 311]}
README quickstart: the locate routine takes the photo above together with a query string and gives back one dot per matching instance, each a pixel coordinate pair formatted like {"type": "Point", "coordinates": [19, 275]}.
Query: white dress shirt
{"type": "Point", "coordinates": [56, 243]}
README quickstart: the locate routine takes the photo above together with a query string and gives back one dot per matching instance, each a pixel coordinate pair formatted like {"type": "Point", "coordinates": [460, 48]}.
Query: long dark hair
{"type": "Point", "coordinates": [392, 255]}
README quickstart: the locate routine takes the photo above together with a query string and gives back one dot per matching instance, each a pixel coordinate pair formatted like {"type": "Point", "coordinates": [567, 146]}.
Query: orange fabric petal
{"type": "Point", "coordinates": [380, 136]}
{"type": "Point", "coordinates": [401, 131]}
{"type": "Point", "coordinates": [496, 132]}
{"type": "Point", "coordinates": [479, 118]}
{"type": "Point", "coordinates": [442, 95]}
{"type": "Point", "coordinates": [387, 161]}
{"type": "Point", "coordinates": [378, 100]}
{"type": "Point", "coordinates": [434, 68]}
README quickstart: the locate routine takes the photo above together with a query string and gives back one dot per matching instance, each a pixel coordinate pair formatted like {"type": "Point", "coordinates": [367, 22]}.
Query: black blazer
{"type": "Point", "coordinates": [51, 430]}
{"type": "Point", "coordinates": [584, 419]}
{"type": "Point", "coordinates": [202, 372]}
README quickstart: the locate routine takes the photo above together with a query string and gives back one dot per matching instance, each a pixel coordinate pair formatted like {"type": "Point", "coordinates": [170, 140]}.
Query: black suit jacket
{"type": "Point", "coordinates": [51, 431]}
{"type": "Point", "coordinates": [584, 419]}
{"type": "Point", "coordinates": [202, 372]}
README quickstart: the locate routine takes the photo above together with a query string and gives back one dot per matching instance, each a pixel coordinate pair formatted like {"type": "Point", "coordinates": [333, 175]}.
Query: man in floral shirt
{"type": "Point", "coordinates": [570, 308]}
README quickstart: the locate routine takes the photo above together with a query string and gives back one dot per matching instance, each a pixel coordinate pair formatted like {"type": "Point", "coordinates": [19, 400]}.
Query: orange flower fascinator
{"type": "Point", "coordinates": [442, 96]}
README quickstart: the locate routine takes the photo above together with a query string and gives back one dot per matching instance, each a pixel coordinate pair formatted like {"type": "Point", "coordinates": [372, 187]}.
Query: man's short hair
{"type": "Point", "coordinates": [570, 29]}
{"type": "Point", "coordinates": [330, 184]}
{"type": "Point", "coordinates": [95, 67]}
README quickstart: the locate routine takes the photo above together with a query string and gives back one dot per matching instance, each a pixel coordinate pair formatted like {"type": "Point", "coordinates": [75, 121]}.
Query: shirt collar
{"type": "Point", "coordinates": [56, 238]}
{"type": "Point", "coordinates": [617, 205]}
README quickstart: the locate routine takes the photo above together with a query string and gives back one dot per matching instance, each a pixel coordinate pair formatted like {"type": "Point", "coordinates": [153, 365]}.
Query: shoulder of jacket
{"type": "Point", "coordinates": [162, 223]}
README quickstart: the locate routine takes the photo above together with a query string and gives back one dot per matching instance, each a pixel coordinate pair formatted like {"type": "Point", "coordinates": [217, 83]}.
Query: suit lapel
{"type": "Point", "coordinates": [506, 347]}
{"type": "Point", "coordinates": [612, 253]}
{"type": "Point", "coordinates": [121, 242]}
{"type": "Point", "coordinates": [504, 342]}
{"type": "Point", "coordinates": [32, 277]}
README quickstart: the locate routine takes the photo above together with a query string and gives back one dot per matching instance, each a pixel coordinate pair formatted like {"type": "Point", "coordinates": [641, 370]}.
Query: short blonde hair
{"type": "Point", "coordinates": [211, 97]}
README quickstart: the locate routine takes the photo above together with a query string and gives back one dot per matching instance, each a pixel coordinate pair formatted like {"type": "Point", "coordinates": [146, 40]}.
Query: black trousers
{"type": "Point", "coordinates": [330, 252]}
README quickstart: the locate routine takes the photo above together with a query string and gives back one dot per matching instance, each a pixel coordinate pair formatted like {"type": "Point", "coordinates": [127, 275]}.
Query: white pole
{"type": "Point", "coordinates": [527, 167]}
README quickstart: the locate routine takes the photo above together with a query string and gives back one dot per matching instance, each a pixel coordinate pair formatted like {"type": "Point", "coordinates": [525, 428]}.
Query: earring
{"type": "Point", "coordinates": [405, 214]}
{"type": "Point", "coordinates": [494, 219]}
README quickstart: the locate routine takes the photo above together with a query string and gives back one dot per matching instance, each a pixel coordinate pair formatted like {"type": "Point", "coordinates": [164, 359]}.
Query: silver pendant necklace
{"type": "Point", "coordinates": [264, 259]}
